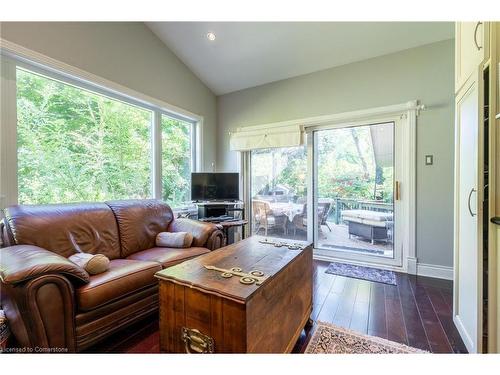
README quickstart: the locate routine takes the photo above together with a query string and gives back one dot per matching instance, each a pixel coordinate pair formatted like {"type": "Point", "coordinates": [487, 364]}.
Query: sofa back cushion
{"type": "Point", "coordinates": [139, 222]}
{"type": "Point", "coordinates": [66, 229]}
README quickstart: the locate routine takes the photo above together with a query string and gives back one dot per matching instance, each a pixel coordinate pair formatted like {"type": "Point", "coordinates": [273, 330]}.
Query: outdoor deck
{"type": "Point", "coordinates": [337, 238]}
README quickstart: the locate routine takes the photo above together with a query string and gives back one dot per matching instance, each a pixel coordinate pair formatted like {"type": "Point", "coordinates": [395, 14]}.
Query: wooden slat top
{"type": "Point", "coordinates": [248, 255]}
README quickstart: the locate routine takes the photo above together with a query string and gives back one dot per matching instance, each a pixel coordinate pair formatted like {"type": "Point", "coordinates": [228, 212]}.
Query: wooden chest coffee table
{"type": "Point", "coordinates": [225, 310]}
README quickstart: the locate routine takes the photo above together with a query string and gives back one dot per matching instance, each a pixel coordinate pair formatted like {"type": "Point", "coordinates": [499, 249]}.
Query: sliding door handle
{"type": "Point", "coordinates": [398, 191]}
{"type": "Point", "coordinates": [468, 202]}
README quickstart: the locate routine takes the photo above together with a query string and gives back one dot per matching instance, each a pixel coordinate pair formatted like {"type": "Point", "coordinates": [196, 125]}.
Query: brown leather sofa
{"type": "Point", "coordinates": [52, 303]}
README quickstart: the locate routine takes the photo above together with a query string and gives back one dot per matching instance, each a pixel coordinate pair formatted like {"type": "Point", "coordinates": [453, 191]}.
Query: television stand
{"type": "Point", "coordinates": [218, 219]}
{"type": "Point", "coordinates": [217, 208]}
{"type": "Point", "coordinates": [213, 211]}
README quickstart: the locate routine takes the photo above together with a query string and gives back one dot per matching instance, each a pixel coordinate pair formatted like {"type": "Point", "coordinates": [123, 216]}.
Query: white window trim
{"type": "Point", "coordinates": [14, 55]}
{"type": "Point", "coordinates": [407, 113]}
{"type": "Point", "coordinates": [8, 134]}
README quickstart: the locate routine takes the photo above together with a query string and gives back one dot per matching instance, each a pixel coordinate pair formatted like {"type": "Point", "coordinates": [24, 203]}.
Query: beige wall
{"type": "Point", "coordinates": [127, 53]}
{"type": "Point", "coordinates": [425, 73]}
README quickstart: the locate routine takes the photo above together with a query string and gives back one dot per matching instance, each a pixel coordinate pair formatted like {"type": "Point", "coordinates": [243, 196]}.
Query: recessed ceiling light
{"type": "Point", "coordinates": [211, 36]}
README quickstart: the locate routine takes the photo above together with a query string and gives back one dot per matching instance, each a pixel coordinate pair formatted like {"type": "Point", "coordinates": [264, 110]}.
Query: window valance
{"type": "Point", "coordinates": [266, 136]}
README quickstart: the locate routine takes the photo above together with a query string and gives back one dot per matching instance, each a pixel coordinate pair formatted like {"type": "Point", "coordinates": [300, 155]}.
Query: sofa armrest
{"type": "Point", "coordinates": [203, 233]}
{"type": "Point", "coordinates": [41, 312]}
{"type": "Point", "coordinates": [24, 262]}
{"type": "Point", "coordinates": [5, 234]}
{"type": "Point", "coordinates": [216, 240]}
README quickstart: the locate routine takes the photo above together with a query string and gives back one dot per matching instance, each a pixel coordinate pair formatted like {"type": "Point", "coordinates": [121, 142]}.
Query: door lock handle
{"type": "Point", "coordinates": [468, 202]}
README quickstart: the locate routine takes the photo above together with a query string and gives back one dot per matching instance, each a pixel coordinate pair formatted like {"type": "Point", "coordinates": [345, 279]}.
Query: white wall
{"type": "Point", "coordinates": [127, 53]}
{"type": "Point", "coordinates": [425, 73]}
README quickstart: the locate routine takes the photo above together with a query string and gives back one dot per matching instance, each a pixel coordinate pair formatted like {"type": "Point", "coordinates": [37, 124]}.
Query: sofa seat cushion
{"type": "Point", "coordinates": [124, 276]}
{"type": "Point", "coordinates": [168, 256]}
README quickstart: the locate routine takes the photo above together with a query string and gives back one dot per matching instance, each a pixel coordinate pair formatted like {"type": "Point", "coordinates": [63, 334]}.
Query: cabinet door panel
{"type": "Point", "coordinates": [467, 252]}
{"type": "Point", "coordinates": [469, 50]}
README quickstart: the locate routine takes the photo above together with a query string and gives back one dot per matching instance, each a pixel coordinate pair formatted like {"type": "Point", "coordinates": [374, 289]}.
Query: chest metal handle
{"type": "Point", "coordinates": [197, 342]}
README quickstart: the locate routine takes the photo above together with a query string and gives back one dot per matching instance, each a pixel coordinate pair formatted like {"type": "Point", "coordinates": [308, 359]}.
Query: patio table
{"type": "Point", "coordinates": [289, 209]}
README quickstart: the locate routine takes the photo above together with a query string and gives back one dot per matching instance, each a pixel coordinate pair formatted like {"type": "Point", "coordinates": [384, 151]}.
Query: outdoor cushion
{"type": "Point", "coordinates": [367, 215]}
{"type": "Point", "coordinates": [372, 223]}
{"type": "Point", "coordinates": [271, 220]}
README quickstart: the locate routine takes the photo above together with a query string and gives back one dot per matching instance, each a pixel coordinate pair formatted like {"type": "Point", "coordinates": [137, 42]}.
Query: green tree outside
{"type": "Point", "coordinates": [75, 145]}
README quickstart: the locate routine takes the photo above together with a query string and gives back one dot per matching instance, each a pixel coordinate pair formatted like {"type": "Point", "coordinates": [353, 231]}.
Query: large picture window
{"type": "Point", "coordinates": [75, 144]}
{"type": "Point", "coordinates": [176, 136]}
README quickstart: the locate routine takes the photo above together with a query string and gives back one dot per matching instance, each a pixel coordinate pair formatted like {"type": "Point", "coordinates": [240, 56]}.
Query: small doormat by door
{"type": "Point", "coordinates": [363, 273]}
{"type": "Point", "coordinates": [331, 339]}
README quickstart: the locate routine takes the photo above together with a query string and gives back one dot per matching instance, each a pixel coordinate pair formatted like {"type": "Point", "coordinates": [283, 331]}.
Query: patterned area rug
{"type": "Point", "coordinates": [330, 339]}
{"type": "Point", "coordinates": [364, 273]}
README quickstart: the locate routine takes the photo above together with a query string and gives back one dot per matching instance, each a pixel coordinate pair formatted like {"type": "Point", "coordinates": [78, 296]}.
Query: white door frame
{"type": "Point", "coordinates": [406, 114]}
{"type": "Point", "coordinates": [405, 117]}
{"type": "Point", "coordinates": [399, 209]}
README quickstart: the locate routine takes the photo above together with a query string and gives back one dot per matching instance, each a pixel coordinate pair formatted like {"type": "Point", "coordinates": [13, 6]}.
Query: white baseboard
{"type": "Point", "coordinates": [412, 265]}
{"type": "Point", "coordinates": [432, 270]}
{"type": "Point", "coordinates": [421, 269]}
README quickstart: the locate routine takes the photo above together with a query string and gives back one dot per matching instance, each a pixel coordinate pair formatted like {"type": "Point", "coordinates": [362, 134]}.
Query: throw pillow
{"type": "Point", "coordinates": [174, 239]}
{"type": "Point", "coordinates": [93, 264]}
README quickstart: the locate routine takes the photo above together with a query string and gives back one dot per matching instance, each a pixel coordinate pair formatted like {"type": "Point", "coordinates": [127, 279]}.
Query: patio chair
{"type": "Point", "coordinates": [300, 221]}
{"type": "Point", "coordinates": [264, 218]}
{"type": "Point", "coordinates": [323, 211]}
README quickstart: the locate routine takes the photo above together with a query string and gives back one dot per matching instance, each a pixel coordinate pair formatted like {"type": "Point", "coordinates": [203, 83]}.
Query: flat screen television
{"type": "Point", "coordinates": [215, 186]}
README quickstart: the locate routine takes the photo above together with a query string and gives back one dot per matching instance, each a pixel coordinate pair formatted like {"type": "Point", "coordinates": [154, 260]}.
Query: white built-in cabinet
{"type": "Point", "coordinates": [476, 156]}
{"type": "Point", "coordinates": [470, 49]}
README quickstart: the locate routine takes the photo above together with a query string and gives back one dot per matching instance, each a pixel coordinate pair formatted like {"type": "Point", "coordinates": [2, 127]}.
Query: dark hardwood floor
{"type": "Point", "coordinates": [417, 312]}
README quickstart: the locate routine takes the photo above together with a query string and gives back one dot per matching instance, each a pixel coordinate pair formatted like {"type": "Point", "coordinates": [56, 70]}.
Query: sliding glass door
{"type": "Point", "coordinates": [355, 181]}
{"type": "Point", "coordinates": [341, 192]}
